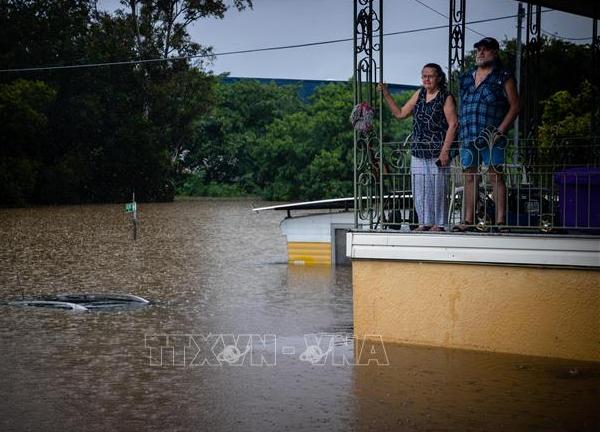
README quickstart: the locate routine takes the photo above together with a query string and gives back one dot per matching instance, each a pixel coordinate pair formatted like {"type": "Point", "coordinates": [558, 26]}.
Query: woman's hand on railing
{"type": "Point", "coordinates": [381, 87]}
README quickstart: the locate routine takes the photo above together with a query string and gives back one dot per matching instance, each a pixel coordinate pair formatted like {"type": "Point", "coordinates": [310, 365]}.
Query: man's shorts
{"type": "Point", "coordinates": [471, 157]}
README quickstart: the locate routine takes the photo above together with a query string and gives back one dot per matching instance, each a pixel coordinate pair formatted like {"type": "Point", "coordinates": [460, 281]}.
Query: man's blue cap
{"type": "Point", "coordinates": [488, 42]}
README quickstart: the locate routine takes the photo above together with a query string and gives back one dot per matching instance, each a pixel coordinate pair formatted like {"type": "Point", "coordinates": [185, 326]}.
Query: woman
{"type": "Point", "coordinates": [434, 128]}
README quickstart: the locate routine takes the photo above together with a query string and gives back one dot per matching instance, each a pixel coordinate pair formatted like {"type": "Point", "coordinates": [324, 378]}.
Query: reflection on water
{"type": "Point", "coordinates": [214, 268]}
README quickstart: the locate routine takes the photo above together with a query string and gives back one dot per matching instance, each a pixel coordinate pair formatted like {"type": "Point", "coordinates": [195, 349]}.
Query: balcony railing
{"type": "Point", "coordinates": [550, 187]}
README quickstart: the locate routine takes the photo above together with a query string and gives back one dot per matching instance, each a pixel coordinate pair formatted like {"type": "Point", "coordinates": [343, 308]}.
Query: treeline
{"type": "Point", "coordinates": [262, 139]}
{"type": "Point", "coordinates": [98, 134]}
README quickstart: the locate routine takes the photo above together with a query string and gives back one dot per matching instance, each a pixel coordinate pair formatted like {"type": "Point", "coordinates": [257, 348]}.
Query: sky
{"type": "Point", "coordinates": [288, 22]}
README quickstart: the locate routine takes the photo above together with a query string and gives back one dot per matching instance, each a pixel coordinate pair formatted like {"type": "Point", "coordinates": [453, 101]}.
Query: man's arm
{"type": "Point", "coordinates": [514, 105]}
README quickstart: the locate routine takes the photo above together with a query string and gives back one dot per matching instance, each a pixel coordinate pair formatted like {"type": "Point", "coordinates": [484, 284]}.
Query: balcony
{"type": "Point", "coordinates": [550, 188]}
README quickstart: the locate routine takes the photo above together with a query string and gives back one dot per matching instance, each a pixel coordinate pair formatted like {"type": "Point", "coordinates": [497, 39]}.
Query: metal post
{"type": "Point", "coordinates": [520, 15]}
{"type": "Point", "coordinates": [456, 55]}
{"type": "Point", "coordinates": [456, 41]}
{"type": "Point", "coordinates": [595, 76]}
{"type": "Point", "coordinates": [134, 218]}
{"type": "Point", "coordinates": [368, 164]}
{"type": "Point", "coordinates": [354, 86]}
{"type": "Point", "coordinates": [532, 70]}
{"type": "Point", "coordinates": [381, 162]}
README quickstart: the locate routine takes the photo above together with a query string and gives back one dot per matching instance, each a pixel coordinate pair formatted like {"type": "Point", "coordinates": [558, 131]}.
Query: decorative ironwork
{"type": "Point", "coordinates": [530, 91]}
{"type": "Point", "coordinates": [456, 40]}
{"type": "Point", "coordinates": [595, 76]}
{"type": "Point", "coordinates": [596, 48]}
{"type": "Point", "coordinates": [536, 199]}
{"type": "Point", "coordinates": [368, 71]}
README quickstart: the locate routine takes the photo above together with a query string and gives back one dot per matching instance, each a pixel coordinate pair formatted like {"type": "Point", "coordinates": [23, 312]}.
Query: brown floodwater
{"type": "Point", "coordinates": [235, 339]}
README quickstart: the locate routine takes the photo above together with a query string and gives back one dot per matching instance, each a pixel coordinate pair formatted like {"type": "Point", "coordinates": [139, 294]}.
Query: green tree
{"type": "Point", "coordinates": [24, 136]}
{"type": "Point", "coordinates": [261, 139]}
{"type": "Point", "coordinates": [113, 129]}
{"type": "Point", "coordinates": [310, 154]}
{"type": "Point", "coordinates": [565, 132]}
{"type": "Point", "coordinates": [43, 32]}
{"type": "Point", "coordinates": [283, 152]}
{"type": "Point", "coordinates": [160, 27]}
{"type": "Point", "coordinates": [224, 142]}
{"type": "Point", "coordinates": [329, 173]}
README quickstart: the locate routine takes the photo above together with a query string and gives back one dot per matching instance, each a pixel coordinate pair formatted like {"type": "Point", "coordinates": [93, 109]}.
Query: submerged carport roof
{"type": "Point", "coordinates": [588, 8]}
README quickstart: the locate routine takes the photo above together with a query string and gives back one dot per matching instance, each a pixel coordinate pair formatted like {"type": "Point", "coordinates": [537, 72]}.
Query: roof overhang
{"type": "Point", "coordinates": [587, 8]}
{"type": "Point", "coordinates": [330, 204]}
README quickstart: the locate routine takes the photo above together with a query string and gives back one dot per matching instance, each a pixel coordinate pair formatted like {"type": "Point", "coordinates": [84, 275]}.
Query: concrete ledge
{"type": "Point", "coordinates": [512, 249]}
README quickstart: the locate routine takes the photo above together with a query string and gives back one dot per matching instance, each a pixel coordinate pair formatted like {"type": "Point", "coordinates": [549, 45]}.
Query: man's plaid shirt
{"type": "Point", "coordinates": [482, 106]}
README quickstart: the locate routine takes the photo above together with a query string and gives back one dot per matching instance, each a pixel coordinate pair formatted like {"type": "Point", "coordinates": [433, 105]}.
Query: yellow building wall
{"type": "Point", "coordinates": [309, 252]}
{"type": "Point", "coordinates": [524, 310]}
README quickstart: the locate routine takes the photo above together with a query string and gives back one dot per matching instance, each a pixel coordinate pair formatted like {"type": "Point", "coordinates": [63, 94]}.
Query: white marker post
{"type": "Point", "coordinates": [132, 208]}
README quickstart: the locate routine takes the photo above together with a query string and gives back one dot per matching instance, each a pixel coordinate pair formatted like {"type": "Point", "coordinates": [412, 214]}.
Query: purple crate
{"type": "Point", "coordinates": [579, 196]}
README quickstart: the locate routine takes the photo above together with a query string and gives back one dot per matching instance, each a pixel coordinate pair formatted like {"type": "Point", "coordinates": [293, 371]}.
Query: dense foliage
{"type": "Point", "coordinates": [98, 134]}
{"type": "Point", "coordinates": [564, 134]}
{"type": "Point", "coordinates": [263, 139]}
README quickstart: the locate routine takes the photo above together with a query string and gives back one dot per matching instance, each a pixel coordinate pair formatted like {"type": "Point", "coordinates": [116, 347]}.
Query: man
{"type": "Point", "coordinates": [489, 105]}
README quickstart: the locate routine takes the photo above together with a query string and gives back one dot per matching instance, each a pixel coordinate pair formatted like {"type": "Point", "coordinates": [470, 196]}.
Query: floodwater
{"type": "Point", "coordinates": [236, 339]}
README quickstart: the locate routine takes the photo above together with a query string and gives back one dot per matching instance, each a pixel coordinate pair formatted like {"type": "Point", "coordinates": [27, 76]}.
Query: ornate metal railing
{"type": "Point", "coordinates": [555, 191]}
{"type": "Point", "coordinates": [368, 70]}
{"type": "Point", "coordinates": [456, 42]}
{"type": "Point", "coordinates": [530, 82]}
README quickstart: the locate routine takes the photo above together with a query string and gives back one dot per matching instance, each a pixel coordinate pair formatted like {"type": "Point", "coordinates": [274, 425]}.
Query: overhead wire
{"type": "Point", "coordinates": [445, 16]}
{"type": "Point", "coordinates": [247, 51]}
{"type": "Point", "coordinates": [191, 57]}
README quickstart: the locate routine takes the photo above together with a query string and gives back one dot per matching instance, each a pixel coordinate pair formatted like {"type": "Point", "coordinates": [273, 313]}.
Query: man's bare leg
{"type": "Point", "coordinates": [471, 186]}
{"type": "Point", "coordinates": [499, 193]}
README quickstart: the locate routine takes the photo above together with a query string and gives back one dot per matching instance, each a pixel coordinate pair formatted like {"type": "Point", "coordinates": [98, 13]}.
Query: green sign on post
{"type": "Point", "coordinates": [130, 207]}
